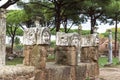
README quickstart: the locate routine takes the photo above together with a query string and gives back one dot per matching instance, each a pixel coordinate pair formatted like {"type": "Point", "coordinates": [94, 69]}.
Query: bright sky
{"type": "Point", "coordinates": [101, 28]}
{"type": "Point", "coordinates": [86, 26]}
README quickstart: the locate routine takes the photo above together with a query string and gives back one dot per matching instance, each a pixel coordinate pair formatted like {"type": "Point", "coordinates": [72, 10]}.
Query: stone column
{"type": "Point", "coordinates": [110, 47]}
{"type": "Point", "coordinates": [2, 36]}
{"type": "Point", "coordinates": [43, 42]}
{"type": "Point", "coordinates": [29, 41]}
{"type": "Point", "coordinates": [67, 48]}
{"type": "Point", "coordinates": [40, 65]}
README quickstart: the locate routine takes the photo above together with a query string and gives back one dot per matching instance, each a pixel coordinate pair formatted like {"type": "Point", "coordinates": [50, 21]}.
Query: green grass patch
{"type": "Point", "coordinates": [104, 60]}
{"type": "Point", "coordinates": [51, 57]}
{"type": "Point", "coordinates": [15, 61]}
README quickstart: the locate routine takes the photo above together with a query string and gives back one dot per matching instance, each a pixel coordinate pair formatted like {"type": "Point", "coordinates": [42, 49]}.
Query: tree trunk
{"type": "Point", "coordinates": [12, 44]}
{"type": "Point", "coordinates": [57, 16]}
{"type": "Point", "coordinates": [93, 22]}
{"type": "Point", "coordinates": [65, 25]}
{"type": "Point", "coordinates": [115, 54]}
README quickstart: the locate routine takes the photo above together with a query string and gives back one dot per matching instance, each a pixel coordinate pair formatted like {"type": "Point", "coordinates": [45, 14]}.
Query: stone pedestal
{"type": "Point", "coordinates": [66, 55]}
{"type": "Point", "coordinates": [89, 54]}
{"type": "Point", "coordinates": [35, 55]}
{"type": "Point", "coordinates": [2, 36]}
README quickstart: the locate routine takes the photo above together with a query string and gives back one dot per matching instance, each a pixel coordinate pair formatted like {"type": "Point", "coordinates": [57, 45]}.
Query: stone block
{"type": "Point", "coordinates": [89, 40]}
{"type": "Point", "coordinates": [66, 56]}
{"type": "Point", "coordinates": [89, 54]}
{"type": "Point", "coordinates": [27, 52]}
{"type": "Point", "coordinates": [43, 35]}
{"type": "Point", "coordinates": [64, 72]}
{"type": "Point", "coordinates": [36, 35]}
{"type": "Point", "coordinates": [36, 55]}
{"type": "Point", "coordinates": [29, 37]}
{"type": "Point", "coordinates": [67, 39]}
{"type": "Point", "coordinates": [40, 74]}
{"type": "Point", "coordinates": [87, 70]}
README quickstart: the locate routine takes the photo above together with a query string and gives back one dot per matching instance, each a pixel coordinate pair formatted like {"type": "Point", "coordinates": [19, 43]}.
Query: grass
{"type": "Point", "coordinates": [104, 60]}
{"type": "Point", "coordinates": [15, 61]}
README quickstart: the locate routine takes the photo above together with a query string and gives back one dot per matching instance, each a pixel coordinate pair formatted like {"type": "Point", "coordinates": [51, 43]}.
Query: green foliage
{"type": "Point", "coordinates": [16, 17]}
{"type": "Point", "coordinates": [53, 43]}
{"type": "Point", "coordinates": [19, 32]}
{"type": "Point", "coordinates": [104, 60]}
{"type": "Point", "coordinates": [17, 41]}
{"type": "Point", "coordinates": [18, 47]}
{"type": "Point", "coordinates": [113, 34]}
{"type": "Point", "coordinates": [84, 32]}
{"type": "Point", "coordinates": [51, 57]}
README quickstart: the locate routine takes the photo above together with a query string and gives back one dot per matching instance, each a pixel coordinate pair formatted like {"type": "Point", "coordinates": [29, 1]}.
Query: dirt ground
{"type": "Point", "coordinates": [110, 73]}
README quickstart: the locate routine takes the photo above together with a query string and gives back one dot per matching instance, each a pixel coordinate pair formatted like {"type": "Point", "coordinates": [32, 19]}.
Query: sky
{"type": "Point", "coordinates": [86, 26]}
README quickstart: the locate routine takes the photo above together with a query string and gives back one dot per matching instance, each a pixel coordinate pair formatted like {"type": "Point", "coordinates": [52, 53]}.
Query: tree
{"type": "Point", "coordinates": [56, 11]}
{"type": "Point", "coordinates": [94, 9]}
{"type": "Point", "coordinates": [113, 12]}
{"type": "Point", "coordinates": [14, 20]}
{"type": "Point", "coordinates": [34, 10]}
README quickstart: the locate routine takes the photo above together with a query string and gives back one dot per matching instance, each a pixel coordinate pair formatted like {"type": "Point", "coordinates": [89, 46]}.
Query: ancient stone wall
{"type": "Point", "coordinates": [66, 66]}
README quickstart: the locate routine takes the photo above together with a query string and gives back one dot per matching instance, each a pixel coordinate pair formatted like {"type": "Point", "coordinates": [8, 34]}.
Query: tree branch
{"type": "Point", "coordinates": [8, 3]}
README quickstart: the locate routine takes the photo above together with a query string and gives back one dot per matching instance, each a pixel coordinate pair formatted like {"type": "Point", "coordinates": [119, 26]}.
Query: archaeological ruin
{"type": "Point", "coordinates": [76, 56]}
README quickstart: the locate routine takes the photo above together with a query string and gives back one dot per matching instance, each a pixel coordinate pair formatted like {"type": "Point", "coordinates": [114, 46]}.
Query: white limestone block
{"type": "Point", "coordinates": [29, 37]}
{"type": "Point", "coordinates": [43, 35]}
{"type": "Point", "coordinates": [67, 39]}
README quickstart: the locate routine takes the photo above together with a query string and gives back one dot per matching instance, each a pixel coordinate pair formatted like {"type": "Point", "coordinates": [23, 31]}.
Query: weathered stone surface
{"type": "Point", "coordinates": [2, 36]}
{"type": "Point", "coordinates": [89, 40]}
{"type": "Point", "coordinates": [36, 35]}
{"type": "Point", "coordinates": [43, 54]}
{"type": "Point", "coordinates": [63, 72]}
{"type": "Point", "coordinates": [60, 72]}
{"type": "Point", "coordinates": [29, 37]}
{"type": "Point", "coordinates": [67, 39]}
{"type": "Point", "coordinates": [40, 74]}
{"type": "Point", "coordinates": [89, 54]}
{"type": "Point", "coordinates": [66, 55]}
{"type": "Point", "coordinates": [27, 52]}
{"type": "Point", "coordinates": [16, 72]}
{"type": "Point", "coordinates": [36, 55]}
{"type": "Point", "coordinates": [43, 35]}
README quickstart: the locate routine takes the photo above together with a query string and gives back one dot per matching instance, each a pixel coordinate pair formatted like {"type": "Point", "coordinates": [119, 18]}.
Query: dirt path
{"type": "Point", "coordinates": [110, 73]}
